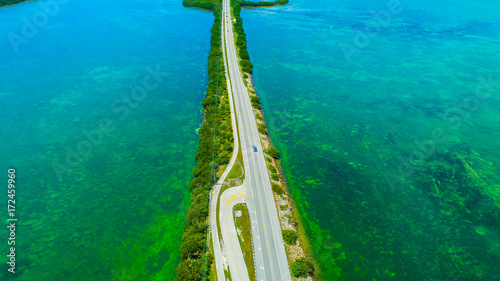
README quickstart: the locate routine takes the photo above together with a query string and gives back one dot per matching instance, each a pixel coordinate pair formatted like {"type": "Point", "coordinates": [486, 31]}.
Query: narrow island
{"type": "Point", "coordinates": [214, 151]}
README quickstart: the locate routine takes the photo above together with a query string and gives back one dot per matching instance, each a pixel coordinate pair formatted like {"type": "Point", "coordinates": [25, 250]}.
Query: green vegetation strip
{"type": "Point", "coordinates": [246, 4]}
{"type": "Point", "coordinates": [215, 146]}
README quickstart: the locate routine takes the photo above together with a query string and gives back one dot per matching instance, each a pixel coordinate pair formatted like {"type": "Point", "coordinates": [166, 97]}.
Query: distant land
{"type": "Point", "coordinates": [10, 2]}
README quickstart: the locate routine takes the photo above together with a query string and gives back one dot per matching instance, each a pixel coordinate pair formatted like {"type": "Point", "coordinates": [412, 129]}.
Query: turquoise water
{"type": "Point", "coordinates": [118, 212]}
{"type": "Point", "coordinates": [346, 128]}
{"type": "Point", "coordinates": [382, 202]}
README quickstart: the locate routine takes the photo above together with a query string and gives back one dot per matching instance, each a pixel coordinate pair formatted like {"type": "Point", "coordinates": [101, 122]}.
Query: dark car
{"type": "Point", "coordinates": [254, 148]}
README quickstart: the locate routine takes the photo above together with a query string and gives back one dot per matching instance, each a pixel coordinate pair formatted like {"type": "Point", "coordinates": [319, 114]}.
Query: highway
{"type": "Point", "coordinates": [235, 260]}
{"type": "Point", "coordinates": [214, 196]}
{"type": "Point", "coordinates": [269, 251]}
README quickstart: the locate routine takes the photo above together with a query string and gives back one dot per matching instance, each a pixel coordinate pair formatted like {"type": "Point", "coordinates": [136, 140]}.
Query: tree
{"type": "Point", "coordinates": [189, 270]}
{"type": "Point", "coordinates": [192, 244]}
{"type": "Point", "coordinates": [246, 66]}
{"type": "Point", "coordinates": [262, 128]}
{"type": "Point", "coordinates": [255, 101]}
{"type": "Point", "coordinates": [273, 152]}
{"type": "Point", "coordinates": [241, 42]}
{"type": "Point", "coordinates": [244, 54]}
{"type": "Point", "coordinates": [246, 63]}
{"type": "Point", "coordinates": [302, 267]}
{"type": "Point", "coordinates": [223, 159]}
{"type": "Point", "coordinates": [271, 168]}
{"type": "Point", "coordinates": [277, 188]}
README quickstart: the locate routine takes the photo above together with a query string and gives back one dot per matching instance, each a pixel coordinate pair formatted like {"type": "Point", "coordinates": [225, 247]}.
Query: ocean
{"type": "Point", "coordinates": [386, 113]}
{"type": "Point", "coordinates": [100, 106]}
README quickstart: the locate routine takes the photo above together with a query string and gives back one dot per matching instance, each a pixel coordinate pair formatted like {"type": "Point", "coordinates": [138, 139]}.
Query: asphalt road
{"type": "Point", "coordinates": [215, 194]}
{"type": "Point", "coordinates": [269, 251]}
{"type": "Point", "coordinates": [236, 262]}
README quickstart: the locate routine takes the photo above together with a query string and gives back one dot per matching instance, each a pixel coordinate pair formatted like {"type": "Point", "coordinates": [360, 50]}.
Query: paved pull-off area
{"type": "Point", "coordinates": [269, 251]}
{"type": "Point", "coordinates": [228, 199]}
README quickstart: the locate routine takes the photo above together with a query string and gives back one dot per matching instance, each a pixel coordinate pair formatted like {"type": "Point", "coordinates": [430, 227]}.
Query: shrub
{"type": "Point", "coordinates": [192, 244]}
{"type": "Point", "coordinates": [246, 65]}
{"type": "Point", "coordinates": [277, 188]}
{"type": "Point", "coordinates": [245, 76]}
{"type": "Point", "coordinates": [255, 102]}
{"type": "Point", "coordinates": [283, 207]}
{"type": "Point", "coordinates": [275, 177]}
{"type": "Point", "coordinates": [240, 42]}
{"type": "Point", "coordinates": [271, 168]}
{"type": "Point", "coordinates": [302, 267]}
{"type": "Point", "coordinates": [273, 152]}
{"type": "Point", "coordinates": [244, 54]}
{"type": "Point", "coordinates": [247, 69]}
{"type": "Point", "coordinates": [255, 99]}
{"type": "Point", "coordinates": [290, 236]}
{"type": "Point", "coordinates": [189, 270]}
{"type": "Point", "coordinates": [223, 159]}
{"type": "Point", "coordinates": [262, 128]}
